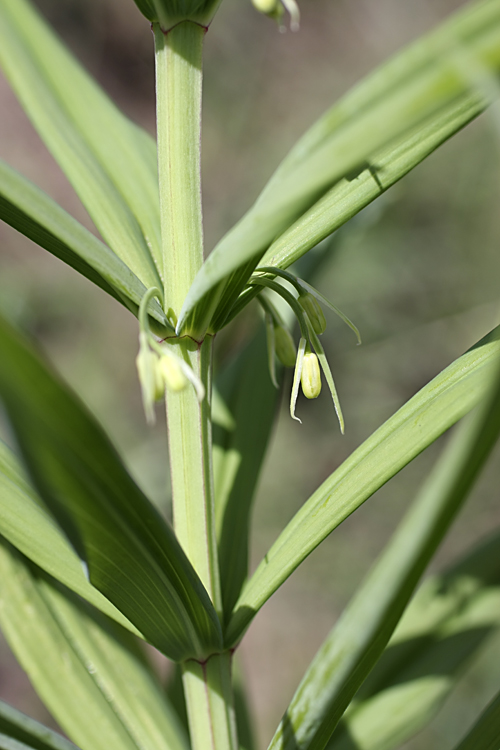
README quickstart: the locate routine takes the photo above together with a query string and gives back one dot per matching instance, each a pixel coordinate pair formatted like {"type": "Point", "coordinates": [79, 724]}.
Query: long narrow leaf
{"type": "Point", "coordinates": [133, 556]}
{"type": "Point", "coordinates": [440, 404]}
{"type": "Point", "coordinates": [33, 213]}
{"type": "Point", "coordinates": [25, 523]}
{"type": "Point", "coordinates": [364, 629]}
{"type": "Point", "coordinates": [238, 455]}
{"type": "Point", "coordinates": [431, 87]}
{"type": "Point", "coordinates": [21, 728]}
{"type": "Point", "coordinates": [108, 160]}
{"type": "Point", "coordinates": [485, 734]}
{"type": "Point", "coordinates": [445, 625]}
{"type": "Point", "coordinates": [90, 673]}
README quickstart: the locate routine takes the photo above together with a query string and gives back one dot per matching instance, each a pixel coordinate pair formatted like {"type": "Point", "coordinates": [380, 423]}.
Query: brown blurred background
{"type": "Point", "coordinates": [417, 271]}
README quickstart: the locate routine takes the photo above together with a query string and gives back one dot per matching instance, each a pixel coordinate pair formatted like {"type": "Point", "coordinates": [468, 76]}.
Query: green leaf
{"type": "Point", "coordinates": [450, 618]}
{"type": "Point", "coordinates": [77, 658]}
{"type": "Point", "coordinates": [132, 554]}
{"type": "Point", "coordinates": [110, 162]}
{"type": "Point", "coordinates": [16, 726]}
{"type": "Point", "coordinates": [251, 398]}
{"type": "Point", "coordinates": [25, 523]}
{"type": "Point", "coordinates": [358, 639]}
{"type": "Point", "coordinates": [434, 409]}
{"type": "Point", "coordinates": [33, 213]}
{"type": "Point", "coordinates": [485, 734]}
{"type": "Point", "coordinates": [429, 90]}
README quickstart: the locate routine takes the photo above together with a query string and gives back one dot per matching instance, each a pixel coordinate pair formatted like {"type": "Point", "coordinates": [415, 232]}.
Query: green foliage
{"type": "Point", "coordinates": [89, 568]}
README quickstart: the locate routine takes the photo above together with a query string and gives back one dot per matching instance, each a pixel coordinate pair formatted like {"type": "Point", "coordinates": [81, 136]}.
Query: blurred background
{"type": "Point", "coordinates": [417, 271]}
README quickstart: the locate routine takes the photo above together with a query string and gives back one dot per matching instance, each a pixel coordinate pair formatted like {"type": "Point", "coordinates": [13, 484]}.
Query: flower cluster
{"type": "Point", "coordinates": [310, 355]}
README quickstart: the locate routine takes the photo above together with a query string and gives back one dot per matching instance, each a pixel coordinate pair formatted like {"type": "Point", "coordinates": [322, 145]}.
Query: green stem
{"type": "Point", "coordinates": [179, 76]}
{"type": "Point", "coordinates": [190, 444]}
{"type": "Point", "coordinates": [178, 101]}
{"type": "Point", "coordinates": [209, 698]}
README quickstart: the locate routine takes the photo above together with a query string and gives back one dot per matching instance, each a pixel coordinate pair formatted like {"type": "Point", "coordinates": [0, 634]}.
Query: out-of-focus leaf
{"type": "Point", "coordinates": [110, 162]}
{"type": "Point", "coordinates": [16, 726]}
{"type": "Point", "coordinates": [132, 554]}
{"type": "Point", "coordinates": [434, 87]}
{"type": "Point", "coordinates": [238, 454]}
{"type": "Point", "coordinates": [485, 734]}
{"type": "Point", "coordinates": [434, 409]}
{"type": "Point", "coordinates": [358, 639]}
{"type": "Point", "coordinates": [450, 618]}
{"type": "Point", "coordinates": [89, 671]}
{"type": "Point", "coordinates": [25, 523]}
{"type": "Point", "coordinates": [33, 213]}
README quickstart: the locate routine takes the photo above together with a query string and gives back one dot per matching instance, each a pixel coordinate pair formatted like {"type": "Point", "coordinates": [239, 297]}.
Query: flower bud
{"type": "Point", "coordinates": [312, 308]}
{"type": "Point", "coordinates": [311, 376]}
{"type": "Point", "coordinates": [171, 372]}
{"type": "Point", "coordinates": [271, 8]}
{"type": "Point", "coordinates": [284, 346]}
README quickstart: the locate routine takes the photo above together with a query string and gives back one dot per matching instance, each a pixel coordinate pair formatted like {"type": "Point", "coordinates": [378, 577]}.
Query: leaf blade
{"type": "Point", "coordinates": [76, 658]}
{"type": "Point", "coordinates": [421, 85]}
{"type": "Point", "coordinates": [417, 424]}
{"type": "Point", "coordinates": [109, 161]}
{"type": "Point", "coordinates": [33, 213]}
{"type": "Point", "coordinates": [358, 639]}
{"type": "Point", "coordinates": [133, 556]}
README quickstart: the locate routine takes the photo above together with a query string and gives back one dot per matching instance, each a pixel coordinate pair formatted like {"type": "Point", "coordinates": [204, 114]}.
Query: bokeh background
{"type": "Point", "coordinates": [418, 272]}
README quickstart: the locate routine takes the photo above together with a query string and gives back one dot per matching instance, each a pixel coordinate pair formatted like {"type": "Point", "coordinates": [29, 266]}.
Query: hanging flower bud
{"type": "Point", "coordinates": [168, 13]}
{"type": "Point", "coordinates": [310, 377]}
{"type": "Point", "coordinates": [271, 8]}
{"type": "Point", "coordinates": [312, 308]}
{"type": "Point", "coordinates": [284, 346]}
{"type": "Point", "coordinates": [172, 374]}
{"type": "Point", "coordinates": [275, 9]}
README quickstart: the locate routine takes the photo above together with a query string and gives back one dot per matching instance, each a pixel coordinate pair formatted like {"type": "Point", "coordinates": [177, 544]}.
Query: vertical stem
{"type": "Point", "coordinates": [207, 686]}
{"type": "Point", "coordinates": [178, 91]}
{"type": "Point", "coordinates": [209, 699]}
{"type": "Point", "coordinates": [190, 449]}
{"type": "Point", "coordinates": [178, 101]}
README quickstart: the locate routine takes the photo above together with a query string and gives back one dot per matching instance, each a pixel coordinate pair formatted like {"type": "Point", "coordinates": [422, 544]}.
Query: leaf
{"type": "Point", "coordinates": [16, 726]}
{"type": "Point", "coordinates": [132, 554]}
{"type": "Point", "coordinates": [33, 213]}
{"type": "Point", "coordinates": [431, 89]}
{"type": "Point", "coordinates": [358, 639]}
{"type": "Point", "coordinates": [435, 408]}
{"type": "Point", "coordinates": [110, 162]}
{"type": "Point", "coordinates": [450, 618]}
{"type": "Point", "coordinates": [25, 523]}
{"type": "Point", "coordinates": [77, 658]}
{"type": "Point", "coordinates": [238, 454]}
{"type": "Point", "coordinates": [485, 734]}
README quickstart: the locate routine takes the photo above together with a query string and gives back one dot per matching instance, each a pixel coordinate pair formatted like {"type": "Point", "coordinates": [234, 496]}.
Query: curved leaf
{"type": "Point", "coordinates": [239, 450]}
{"type": "Point", "coordinates": [110, 162]}
{"type": "Point", "coordinates": [132, 554]}
{"type": "Point", "coordinates": [407, 433]}
{"type": "Point", "coordinates": [33, 213]}
{"type": "Point", "coordinates": [434, 87]}
{"type": "Point", "coordinates": [358, 639]}
{"type": "Point", "coordinates": [485, 734]}
{"type": "Point", "coordinates": [25, 523]}
{"type": "Point", "coordinates": [16, 726]}
{"type": "Point", "coordinates": [445, 625]}
{"type": "Point", "coordinates": [77, 658]}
